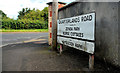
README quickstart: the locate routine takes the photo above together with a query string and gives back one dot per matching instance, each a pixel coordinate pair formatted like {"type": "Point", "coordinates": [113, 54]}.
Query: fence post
{"type": "Point", "coordinates": [61, 48]}
{"type": "Point", "coordinates": [54, 24]}
{"type": "Point", "coordinates": [91, 62]}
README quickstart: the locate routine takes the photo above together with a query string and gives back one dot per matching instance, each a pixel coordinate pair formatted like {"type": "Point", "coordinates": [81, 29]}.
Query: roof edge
{"type": "Point", "coordinates": [58, 2]}
{"type": "Point", "coordinates": [67, 5]}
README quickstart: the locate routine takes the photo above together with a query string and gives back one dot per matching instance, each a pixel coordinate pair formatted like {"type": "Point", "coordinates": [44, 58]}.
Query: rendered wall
{"type": "Point", "coordinates": [107, 26]}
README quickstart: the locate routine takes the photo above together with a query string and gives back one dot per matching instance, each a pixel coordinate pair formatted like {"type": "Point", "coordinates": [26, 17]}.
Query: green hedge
{"type": "Point", "coordinates": [23, 24]}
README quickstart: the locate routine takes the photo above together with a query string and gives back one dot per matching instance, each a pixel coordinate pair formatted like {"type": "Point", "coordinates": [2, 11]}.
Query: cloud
{"type": "Point", "coordinates": [12, 7]}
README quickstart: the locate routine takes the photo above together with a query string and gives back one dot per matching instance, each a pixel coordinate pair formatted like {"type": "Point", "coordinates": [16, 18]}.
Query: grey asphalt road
{"type": "Point", "coordinates": [38, 56]}
{"type": "Point", "coordinates": [11, 38]}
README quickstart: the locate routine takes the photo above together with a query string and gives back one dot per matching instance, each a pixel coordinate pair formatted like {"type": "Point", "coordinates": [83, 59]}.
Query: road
{"type": "Point", "coordinates": [36, 55]}
{"type": "Point", "coordinates": [11, 38]}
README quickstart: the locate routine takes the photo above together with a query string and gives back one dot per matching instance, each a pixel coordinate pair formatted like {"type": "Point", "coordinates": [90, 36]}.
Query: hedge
{"type": "Point", "coordinates": [23, 24]}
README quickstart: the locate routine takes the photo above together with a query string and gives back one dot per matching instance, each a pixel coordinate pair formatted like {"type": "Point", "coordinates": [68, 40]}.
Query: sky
{"type": "Point", "coordinates": [12, 7]}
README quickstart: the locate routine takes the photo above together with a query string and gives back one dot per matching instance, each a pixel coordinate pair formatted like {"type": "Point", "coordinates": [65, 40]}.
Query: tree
{"type": "Point", "coordinates": [45, 13]}
{"type": "Point", "coordinates": [34, 14]}
{"type": "Point", "coordinates": [3, 14]}
{"type": "Point", "coordinates": [23, 12]}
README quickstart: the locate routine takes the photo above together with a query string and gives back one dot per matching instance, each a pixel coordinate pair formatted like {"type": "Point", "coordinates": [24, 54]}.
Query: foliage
{"type": "Point", "coordinates": [23, 12]}
{"type": "Point", "coordinates": [27, 19]}
{"type": "Point", "coordinates": [22, 24]}
{"type": "Point", "coordinates": [3, 15]}
{"type": "Point", "coordinates": [27, 13]}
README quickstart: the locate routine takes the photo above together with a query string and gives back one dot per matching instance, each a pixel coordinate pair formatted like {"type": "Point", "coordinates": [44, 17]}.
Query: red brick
{"type": "Point", "coordinates": [60, 6]}
{"type": "Point", "coordinates": [50, 35]}
{"type": "Point", "coordinates": [50, 24]}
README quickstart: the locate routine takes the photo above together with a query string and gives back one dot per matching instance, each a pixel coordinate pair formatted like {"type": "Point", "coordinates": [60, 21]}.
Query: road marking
{"type": "Point", "coordinates": [32, 40]}
{"type": "Point", "coordinates": [10, 44]}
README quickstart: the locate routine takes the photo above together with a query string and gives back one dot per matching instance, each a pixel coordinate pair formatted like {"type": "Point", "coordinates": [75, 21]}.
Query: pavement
{"type": "Point", "coordinates": [36, 55]}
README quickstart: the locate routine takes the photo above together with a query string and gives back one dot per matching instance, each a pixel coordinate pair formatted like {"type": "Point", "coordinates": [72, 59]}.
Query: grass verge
{"type": "Point", "coordinates": [24, 30]}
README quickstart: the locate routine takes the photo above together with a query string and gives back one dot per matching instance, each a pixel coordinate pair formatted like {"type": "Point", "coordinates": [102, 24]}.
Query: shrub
{"type": "Point", "coordinates": [23, 24]}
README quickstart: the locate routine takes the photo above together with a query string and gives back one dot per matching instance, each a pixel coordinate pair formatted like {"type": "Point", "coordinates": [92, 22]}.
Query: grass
{"type": "Point", "coordinates": [24, 30]}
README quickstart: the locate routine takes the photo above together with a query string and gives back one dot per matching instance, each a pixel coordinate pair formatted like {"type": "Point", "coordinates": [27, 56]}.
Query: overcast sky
{"type": "Point", "coordinates": [12, 7]}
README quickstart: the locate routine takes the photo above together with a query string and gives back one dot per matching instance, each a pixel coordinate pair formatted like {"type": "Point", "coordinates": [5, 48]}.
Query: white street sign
{"type": "Point", "coordinates": [77, 32]}
{"type": "Point", "coordinates": [82, 26]}
{"type": "Point", "coordinates": [78, 44]}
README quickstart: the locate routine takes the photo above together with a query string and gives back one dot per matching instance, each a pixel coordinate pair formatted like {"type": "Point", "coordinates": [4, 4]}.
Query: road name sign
{"type": "Point", "coordinates": [77, 32]}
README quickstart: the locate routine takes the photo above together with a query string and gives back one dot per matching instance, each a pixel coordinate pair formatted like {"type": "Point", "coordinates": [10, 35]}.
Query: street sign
{"type": "Point", "coordinates": [78, 44]}
{"type": "Point", "coordinates": [77, 32]}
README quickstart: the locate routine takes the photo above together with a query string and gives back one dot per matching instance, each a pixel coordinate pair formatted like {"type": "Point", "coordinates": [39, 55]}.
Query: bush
{"type": "Point", "coordinates": [23, 24]}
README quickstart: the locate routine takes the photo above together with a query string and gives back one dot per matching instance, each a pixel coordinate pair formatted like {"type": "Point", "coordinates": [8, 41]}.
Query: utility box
{"type": "Point", "coordinates": [60, 5]}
